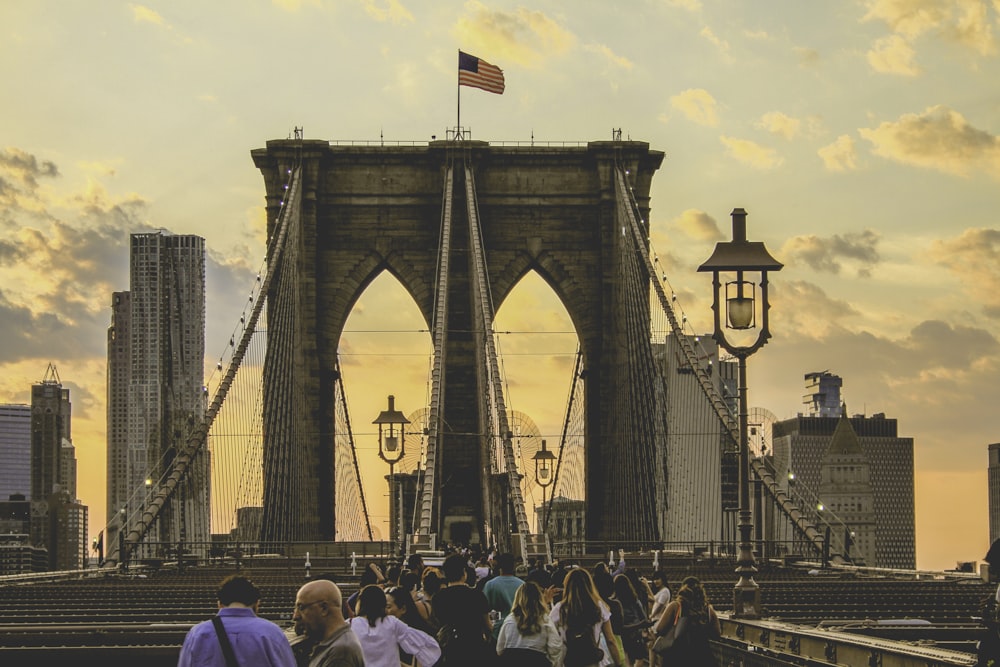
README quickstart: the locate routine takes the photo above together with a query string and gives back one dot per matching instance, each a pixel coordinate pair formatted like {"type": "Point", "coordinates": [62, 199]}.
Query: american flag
{"type": "Point", "coordinates": [478, 73]}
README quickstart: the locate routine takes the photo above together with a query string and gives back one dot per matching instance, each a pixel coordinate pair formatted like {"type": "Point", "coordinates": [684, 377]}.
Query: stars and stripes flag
{"type": "Point", "coordinates": [478, 73]}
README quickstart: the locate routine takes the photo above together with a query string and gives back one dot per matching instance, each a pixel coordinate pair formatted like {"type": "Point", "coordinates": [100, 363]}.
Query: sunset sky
{"type": "Point", "coordinates": [862, 136]}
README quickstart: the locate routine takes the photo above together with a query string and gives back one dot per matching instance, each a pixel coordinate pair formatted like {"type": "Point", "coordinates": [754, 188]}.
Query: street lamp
{"type": "Point", "coordinates": [737, 259]}
{"type": "Point", "coordinates": [145, 541]}
{"type": "Point", "coordinates": [391, 436]}
{"type": "Point", "coordinates": [544, 477]}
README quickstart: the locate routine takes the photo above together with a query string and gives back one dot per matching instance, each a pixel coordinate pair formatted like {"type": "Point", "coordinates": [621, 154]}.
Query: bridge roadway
{"type": "Point", "coordinates": [827, 618]}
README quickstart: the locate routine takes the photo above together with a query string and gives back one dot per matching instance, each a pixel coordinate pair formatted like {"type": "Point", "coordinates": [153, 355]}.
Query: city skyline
{"type": "Point", "coordinates": [862, 138]}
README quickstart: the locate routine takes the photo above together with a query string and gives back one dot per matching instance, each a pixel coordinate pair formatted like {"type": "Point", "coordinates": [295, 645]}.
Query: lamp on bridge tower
{"type": "Point", "coordinates": [391, 438]}
{"type": "Point", "coordinates": [745, 265]}
{"type": "Point", "coordinates": [544, 477]}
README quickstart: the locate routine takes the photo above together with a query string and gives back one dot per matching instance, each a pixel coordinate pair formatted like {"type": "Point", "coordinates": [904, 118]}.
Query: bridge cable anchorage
{"type": "Point", "coordinates": [719, 405]}
{"type": "Point", "coordinates": [494, 399]}
{"type": "Point", "coordinates": [196, 438]}
{"type": "Point", "coordinates": [439, 332]}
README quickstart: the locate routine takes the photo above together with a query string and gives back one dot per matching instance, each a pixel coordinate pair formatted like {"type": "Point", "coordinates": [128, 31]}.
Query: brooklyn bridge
{"type": "Point", "coordinates": [459, 223]}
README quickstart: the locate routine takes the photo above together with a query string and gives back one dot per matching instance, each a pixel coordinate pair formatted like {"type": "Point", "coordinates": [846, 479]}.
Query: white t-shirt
{"type": "Point", "coordinates": [660, 601]}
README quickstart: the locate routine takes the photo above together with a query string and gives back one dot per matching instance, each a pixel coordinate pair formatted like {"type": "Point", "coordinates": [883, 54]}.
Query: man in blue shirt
{"type": "Point", "coordinates": [500, 590]}
{"type": "Point", "coordinates": [255, 641]}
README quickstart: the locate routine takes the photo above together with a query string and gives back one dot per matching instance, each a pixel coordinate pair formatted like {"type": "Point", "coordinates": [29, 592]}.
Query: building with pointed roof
{"type": "Point", "coordinates": [846, 490]}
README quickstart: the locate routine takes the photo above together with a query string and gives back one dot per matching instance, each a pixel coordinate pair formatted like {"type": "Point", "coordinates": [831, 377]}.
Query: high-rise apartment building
{"type": "Point", "coordinates": [822, 397]}
{"type": "Point", "coordinates": [15, 451]}
{"type": "Point", "coordinates": [805, 440]}
{"type": "Point", "coordinates": [156, 351]}
{"type": "Point", "coordinates": [699, 460]}
{"type": "Point", "coordinates": [993, 490]}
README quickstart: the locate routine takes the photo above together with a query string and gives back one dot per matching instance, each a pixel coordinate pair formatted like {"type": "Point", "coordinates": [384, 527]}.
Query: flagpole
{"type": "Point", "coordinates": [458, 74]}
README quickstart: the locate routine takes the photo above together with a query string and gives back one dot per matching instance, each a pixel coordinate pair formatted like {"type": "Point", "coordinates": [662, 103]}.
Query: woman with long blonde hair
{"type": "Point", "coordinates": [527, 635]}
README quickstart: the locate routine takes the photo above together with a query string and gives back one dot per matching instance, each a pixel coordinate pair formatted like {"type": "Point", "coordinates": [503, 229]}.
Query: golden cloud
{"type": "Point", "coordinates": [939, 138]}
{"type": "Point", "coordinates": [974, 258]}
{"type": "Point", "coordinates": [840, 155]}
{"type": "Point", "coordinates": [142, 14]}
{"type": "Point", "coordinates": [610, 56]}
{"type": "Point", "coordinates": [751, 153]}
{"type": "Point", "coordinates": [780, 124]}
{"type": "Point", "coordinates": [965, 22]}
{"type": "Point", "coordinates": [911, 18]}
{"type": "Point", "coordinates": [523, 36]}
{"type": "Point", "coordinates": [893, 55]}
{"type": "Point", "coordinates": [388, 10]}
{"type": "Point", "coordinates": [698, 105]}
{"type": "Point", "coordinates": [720, 44]}
{"type": "Point", "coordinates": [698, 225]}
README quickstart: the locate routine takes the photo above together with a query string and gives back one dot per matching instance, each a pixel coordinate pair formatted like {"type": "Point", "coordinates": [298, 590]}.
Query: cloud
{"type": "Point", "coordinates": [841, 155]}
{"type": "Point", "coordinates": [698, 105]}
{"type": "Point", "coordinates": [974, 258]}
{"type": "Point", "coordinates": [143, 14]}
{"type": "Point", "coordinates": [807, 57]}
{"type": "Point", "coordinates": [827, 254]}
{"type": "Point", "coordinates": [803, 308]}
{"type": "Point", "coordinates": [295, 5]}
{"type": "Point", "coordinates": [523, 36]}
{"type": "Point", "coordinates": [938, 138]}
{"type": "Point", "coordinates": [720, 44]}
{"type": "Point", "coordinates": [964, 22]}
{"type": "Point", "coordinates": [893, 55]}
{"type": "Point", "coordinates": [780, 124]}
{"type": "Point", "coordinates": [751, 153]}
{"type": "Point", "coordinates": [698, 225]}
{"type": "Point", "coordinates": [610, 56]}
{"type": "Point", "coordinates": [25, 167]}
{"type": "Point", "coordinates": [690, 5]}
{"type": "Point", "coordinates": [387, 10]}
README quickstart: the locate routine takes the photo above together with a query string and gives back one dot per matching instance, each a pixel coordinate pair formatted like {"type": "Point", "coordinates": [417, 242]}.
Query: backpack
{"type": "Point", "coordinates": [581, 647]}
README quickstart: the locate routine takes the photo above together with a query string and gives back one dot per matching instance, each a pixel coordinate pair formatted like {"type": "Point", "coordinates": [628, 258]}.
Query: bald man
{"type": "Point", "coordinates": [318, 612]}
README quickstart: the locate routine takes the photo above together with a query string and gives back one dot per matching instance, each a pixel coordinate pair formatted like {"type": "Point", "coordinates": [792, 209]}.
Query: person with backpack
{"type": "Point", "coordinates": [692, 647]}
{"type": "Point", "coordinates": [584, 623]}
{"type": "Point", "coordinates": [466, 633]}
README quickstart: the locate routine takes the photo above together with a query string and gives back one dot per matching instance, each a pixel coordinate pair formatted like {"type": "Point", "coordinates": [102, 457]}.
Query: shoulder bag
{"type": "Point", "coordinates": [674, 638]}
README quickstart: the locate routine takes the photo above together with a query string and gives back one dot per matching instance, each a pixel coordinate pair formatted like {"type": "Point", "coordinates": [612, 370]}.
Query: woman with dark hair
{"type": "Point", "coordinates": [702, 625]}
{"type": "Point", "coordinates": [527, 636]}
{"type": "Point", "coordinates": [634, 620]}
{"type": "Point", "coordinates": [584, 623]}
{"type": "Point", "coordinates": [400, 603]}
{"type": "Point", "coordinates": [382, 636]}
{"type": "Point", "coordinates": [661, 594]}
{"type": "Point", "coordinates": [372, 574]}
{"type": "Point", "coordinates": [409, 582]}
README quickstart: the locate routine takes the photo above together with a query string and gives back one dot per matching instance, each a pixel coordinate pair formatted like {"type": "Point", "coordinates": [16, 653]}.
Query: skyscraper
{"type": "Point", "coordinates": [58, 518]}
{"type": "Point", "coordinates": [807, 439]}
{"type": "Point", "coordinates": [993, 486]}
{"type": "Point", "coordinates": [15, 450]}
{"type": "Point", "coordinates": [156, 351]}
{"type": "Point", "coordinates": [700, 465]}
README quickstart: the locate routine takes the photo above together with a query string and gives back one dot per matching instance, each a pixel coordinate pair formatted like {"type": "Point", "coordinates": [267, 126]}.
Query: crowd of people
{"type": "Point", "coordinates": [493, 611]}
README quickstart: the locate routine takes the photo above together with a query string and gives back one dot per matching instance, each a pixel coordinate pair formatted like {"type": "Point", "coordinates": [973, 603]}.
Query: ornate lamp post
{"type": "Point", "coordinates": [544, 477]}
{"type": "Point", "coordinates": [391, 432]}
{"type": "Point", "coordinates": [737, 259]}
{"type": "Point", "coordinates": [145, 501]}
